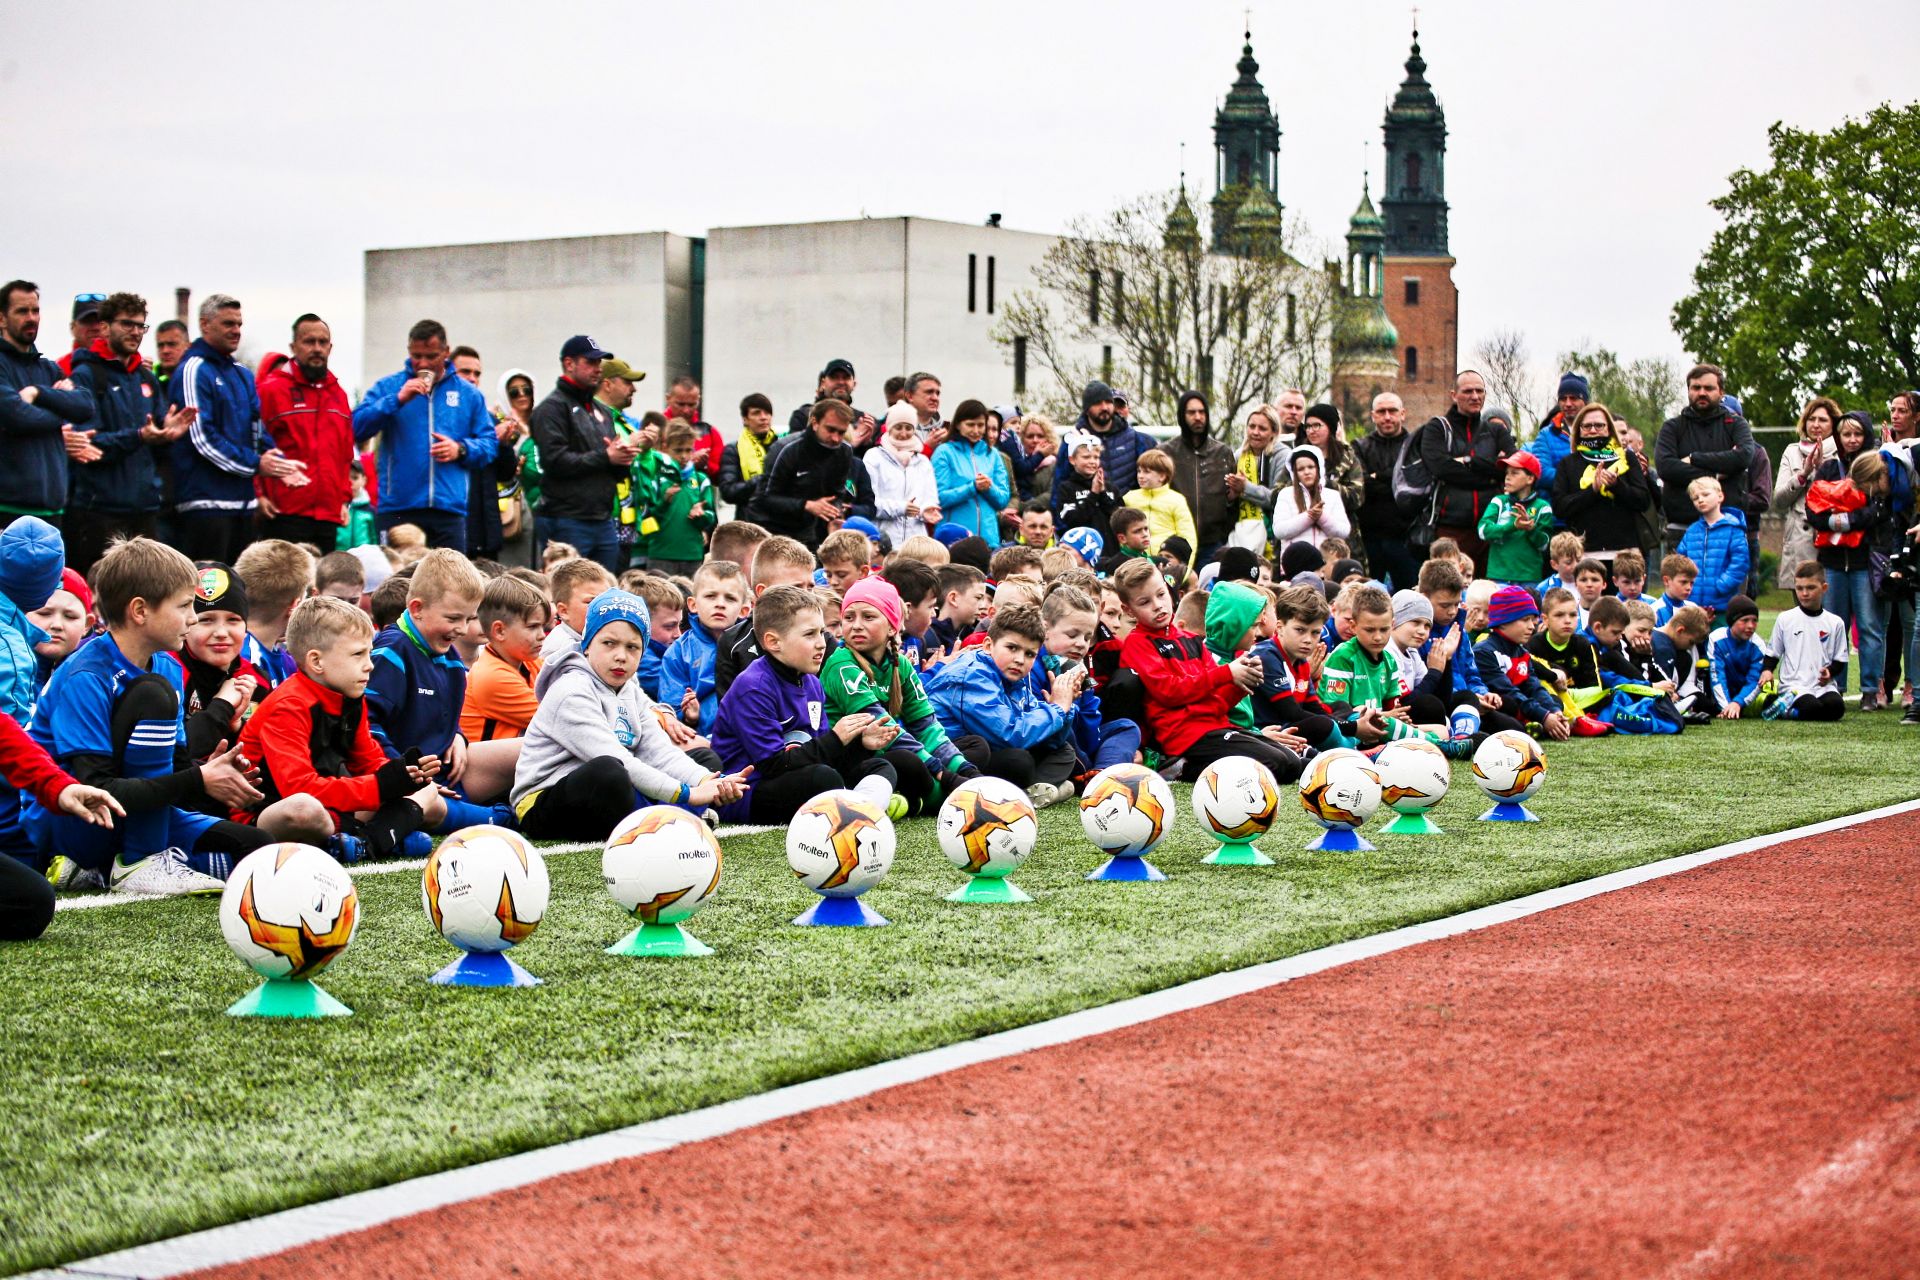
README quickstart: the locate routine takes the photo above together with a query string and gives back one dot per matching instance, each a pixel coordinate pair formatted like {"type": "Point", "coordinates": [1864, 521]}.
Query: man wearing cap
{"type": "Point", "coordinates": [434, 433]}
{"type": "Point", "coordinates": [582, 457]}
{"type": "Point", "coordinates": [37, 407]}
{"type": "Point", "coordinates": [836, 383]}
{"type": "Point", "coordinates": [87, 327]}
{"type": "Point", "coordinates": [1120, 446]}
{"type": "Point", "coordinates": [1554, 441]}
{"type": "Point", "coordinates": [636, 496]}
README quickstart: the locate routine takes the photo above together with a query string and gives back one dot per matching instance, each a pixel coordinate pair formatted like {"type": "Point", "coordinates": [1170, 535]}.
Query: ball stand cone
{"type": "Point", "coordinates": [483, 969]}
{"type": "Point", "coordinates": [1412, 824]}
{"type": "Point", "coordinates": [1126, 867]}
{"type": "Point", "coordinates": [660, 940]}
{"type": "Point", "coordinates": [1340, 840]}
{"type": "Point", "coordinates": [846, 913]}
{"type": "Point", "coordinates": [989, 889]}
{"type": "Point", "coordinates": [287, 998]}
{"type": "Point", "coordinates": [1237, 853]}
{"type": "Point", "coordinates": [1509, 811]}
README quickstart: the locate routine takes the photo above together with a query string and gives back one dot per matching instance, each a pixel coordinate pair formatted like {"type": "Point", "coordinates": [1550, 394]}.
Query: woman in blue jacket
{"type": "Point", "coordinates": [972, 475]}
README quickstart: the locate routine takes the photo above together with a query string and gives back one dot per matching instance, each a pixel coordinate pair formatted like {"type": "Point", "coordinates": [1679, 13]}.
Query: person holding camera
{"type": "Point", "coordinates": [809, 488]}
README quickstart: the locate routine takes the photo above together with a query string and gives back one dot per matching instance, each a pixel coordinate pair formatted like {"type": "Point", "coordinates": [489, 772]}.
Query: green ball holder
{"type": "Point", "coordinates": [1412, 824]}
{"type": "Point", "coordinates": [668, 940]}
{"type": "Point", "coordinates": [989, 889]}
{"type": "Point", "coordinates": [287, 998]}
{"type": "Point", "coordinates": [1236, 853]}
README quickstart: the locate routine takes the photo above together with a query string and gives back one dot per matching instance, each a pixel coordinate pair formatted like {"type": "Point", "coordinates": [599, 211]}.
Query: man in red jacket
{"type": "Point", "coordinates": [304, 408]}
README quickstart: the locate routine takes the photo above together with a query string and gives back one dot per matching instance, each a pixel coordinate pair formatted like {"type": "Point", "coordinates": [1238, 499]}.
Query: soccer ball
{"type": "Point", "coordinates": [1126, 810]}
{"type": "Point", "coordinates": [288, 910]}
{"type": "Point", "coordinates": [1509, 766]}
{"type": "Point", "coordinates": [987, 827]}
{"type": "Point", "coordinates": [1236, 799]}
{"type": "Point", "coordinates": [1340, 790]}
{"type": "Point", "coordinates": [661, 864]}
{"type": "Point", "coordinates": [840, 844]}
{"type": "Point", "coordinates": [1414, 775]}
{"type": "Point", "coordinates": [485, 888]}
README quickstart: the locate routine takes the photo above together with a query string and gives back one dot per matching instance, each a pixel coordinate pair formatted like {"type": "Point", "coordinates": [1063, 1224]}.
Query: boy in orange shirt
{"type": "Point", "coordinates": [500, 700]}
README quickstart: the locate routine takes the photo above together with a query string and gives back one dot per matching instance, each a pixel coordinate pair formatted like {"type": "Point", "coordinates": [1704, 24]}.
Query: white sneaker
{"type": "Point", "coordinates": [163, 875]}
{"type": "Point", "coordinates": [68, 876]}
{"type": "Point", "coordinates": [1043, 794]}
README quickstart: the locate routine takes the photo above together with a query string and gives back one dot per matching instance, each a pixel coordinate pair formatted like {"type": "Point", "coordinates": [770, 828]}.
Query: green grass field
{"type": "Point", "coordinates": [140, 1111]}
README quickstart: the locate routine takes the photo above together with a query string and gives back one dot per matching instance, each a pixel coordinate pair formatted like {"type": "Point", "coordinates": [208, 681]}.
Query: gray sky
{"type": "Point", "coordinates": [1584, 142]}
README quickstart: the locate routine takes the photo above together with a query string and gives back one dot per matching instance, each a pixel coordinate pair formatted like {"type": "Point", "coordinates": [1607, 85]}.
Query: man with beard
{"type": "Point", "coordinates": [1705, 439]}
{"type": "Point", "coordinates": [582, 458]}
{"type": "Point", "coordinates": [1120, 444]}
{"type": "Point", "coordinates": [37, 407]}
{"type": "Point", "coordinates": [1554, 441]}
{"type": "Point", "coordinates": [837, 383]}
{"type": "Point", "coordinates": [1383, 525]}
{"type": "Point", "coordinates": [306, 413]}
{"type": "Point", "coordinates": [809, 483]}
{"type": "Point", "coordinates": [1201, 466]}
{"type": "Point", "coordinates": [117, 492]}
{"type": "Point", "coordinates": [1465, 455]}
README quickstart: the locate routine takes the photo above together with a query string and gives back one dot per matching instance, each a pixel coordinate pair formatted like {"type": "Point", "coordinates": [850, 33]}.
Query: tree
{"type": "Point", "coordinates": [1135, 297]}
{"type": "Point", "coordinates": [1643, 392]}
{"type": "Point", "coordinates": [1503, 359]}
{"type": "Point", "coordinates": [1813, 285]}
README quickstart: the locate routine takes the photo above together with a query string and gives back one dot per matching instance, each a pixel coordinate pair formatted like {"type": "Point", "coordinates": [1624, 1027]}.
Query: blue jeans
{"type": "Point", "coordinates": [1851, 597]}
{"type": "Point", "coordinates": [593, 539]}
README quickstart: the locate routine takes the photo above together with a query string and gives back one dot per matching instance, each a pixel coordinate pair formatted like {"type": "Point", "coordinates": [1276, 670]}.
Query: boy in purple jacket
{"type": "Point", "coordinates": [773, 718]}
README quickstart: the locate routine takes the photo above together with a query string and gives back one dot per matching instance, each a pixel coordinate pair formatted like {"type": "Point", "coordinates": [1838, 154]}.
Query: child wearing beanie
{"type": "Point", "coordinates": [1507, 667]}
{"type": "Point", "coordinates": [1736, 660]}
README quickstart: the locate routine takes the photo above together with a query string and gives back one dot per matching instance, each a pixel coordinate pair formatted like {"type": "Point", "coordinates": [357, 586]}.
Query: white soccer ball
{"type": "Point", "coordinates": [1127, 809]}
{"type": "Point", "coordinates": [1414, 775]}
{"type": "Point", "coordinates": [840, 844]}
{"type": "Point", "coordinates": [1510, 766]}
{"type": "Point", "coordinates": [485, 888]}
{"type": "Point", "coordinates": [1340, 790]}
{"type": "Point", "coordinates": [1236, 799]}
{"type": "Point", "coordinates": [661, 864]}
{"type": "Point", "coordinates": [987, 827]}
{"type": "Point", "coordinates": [288, 910]}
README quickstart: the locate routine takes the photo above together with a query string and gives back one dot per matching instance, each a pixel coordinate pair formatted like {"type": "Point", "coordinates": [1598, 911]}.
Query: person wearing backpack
{"type": "Point", "coordinates": [1384, 525]}
{"type": "Point", "coordinates": [1463, 452]}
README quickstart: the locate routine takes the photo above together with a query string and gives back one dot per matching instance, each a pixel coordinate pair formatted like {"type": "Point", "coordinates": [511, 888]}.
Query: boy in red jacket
{"type": "Point", "coordinates": [311, 739]}
{"type": "Point", "coordinates": [1189, 695]}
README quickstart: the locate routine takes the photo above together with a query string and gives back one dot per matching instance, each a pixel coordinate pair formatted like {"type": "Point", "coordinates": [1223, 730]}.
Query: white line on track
{"type": "Point", "coordinates": [290, 1228]}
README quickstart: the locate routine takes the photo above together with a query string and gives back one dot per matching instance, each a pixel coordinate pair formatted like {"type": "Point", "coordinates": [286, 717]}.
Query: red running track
{"type": "Point", "coordinates": [1712, 1074]}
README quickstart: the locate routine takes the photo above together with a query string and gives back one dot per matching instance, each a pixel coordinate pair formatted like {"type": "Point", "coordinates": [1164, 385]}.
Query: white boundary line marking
{"type": "Point", "coordinates": [287, 1229]}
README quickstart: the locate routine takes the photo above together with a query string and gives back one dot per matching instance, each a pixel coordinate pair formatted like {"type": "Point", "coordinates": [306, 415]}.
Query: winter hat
{"type": "Point", "coordinates": [1521, 460]}
{"type": "Point", "coordinates": [949, 533]}
{"type": "Point", "coordinates": [1087, 542]}
{"type": "Point", "coordinates": [1741, 607]}
{"type": "Point", "coordinates": [1510, 604]}
{"type": "Point", "coordinates": [879, 593]}
{"type": "Point", "coordinates": [76, 586]}
{"type": "Point", "coordinates": [901, 412]}
{"type": "Point", "coordinates": [614, 606]}
{"type": "Point", "coordinates": [1410, 606]}
{"type": "Point", "coordinates": [1497, 414]}
{"type": "Point", "coordinates": [1237, 564]}
{"type": "Point", "coordinates": [1308, 579]}
{"type": "Point", "coordinates": [32, 555]}
{"type": "Point", "coordinates": [1572, 384]}
{"type": "Point", "coordinates": [1297, 558]}
{"type": "Point", "coordinates": [1179, 548]}
{"type": "Point", "coordinates": [860, 524]}
{"type": "Point", "coordinates": [1096, 392]}
{"type": "Point", "coordinates": [217, 586]}
{"type": "Point", "coordinates": [1344, 569]}
{"type": "Point", "coordinates": [375, 562]}
{"type": "Point", "coordinates": [1308, 451]}
{"type": "Point", "coordinates": [1326, 413]}
{"type": "Point", "coordinates": [1077, 440]}
{"type": "Point", "coordinates": [1008, 413]}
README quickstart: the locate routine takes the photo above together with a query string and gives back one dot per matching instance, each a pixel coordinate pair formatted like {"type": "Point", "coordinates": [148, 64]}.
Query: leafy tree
{"type": "Point", "coordinates": [1644, 392]}
{"type": "Point", "coordinates": [1813, 285]}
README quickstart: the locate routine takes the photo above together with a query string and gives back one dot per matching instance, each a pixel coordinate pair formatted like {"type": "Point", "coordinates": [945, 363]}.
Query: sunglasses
{"type": "Point", "coordinates": [89, 297]}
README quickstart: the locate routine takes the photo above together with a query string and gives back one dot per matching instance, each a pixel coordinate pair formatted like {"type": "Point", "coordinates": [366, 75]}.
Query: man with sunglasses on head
{"type": "Point", "coordinates": [86, 327]}
{"type": "Point", "coordinates": [38, 405]}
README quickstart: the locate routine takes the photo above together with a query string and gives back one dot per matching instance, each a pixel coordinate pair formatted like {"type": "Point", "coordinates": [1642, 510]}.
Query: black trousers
{"type": "Point", "coordinates": [324, 534]}
{"type": "Point", "coordinates": [1218, 744]}
{"type": "Point", "coordinates": [1021, 767]}
{"type": "Point", "coordinates": [915, 782]}
{"type": "Point", "coordinates": [88, 534]}
{"type": "Point", "coordinates": [214, 535]}
{"type": "Point", "coordinates": [587, 804]}
{"type": "Point", "coordinates": [26, 901]}
{"type": "Point", "coordinates": [443, 528]}
{"type": "Point", "coordinates": [1430, 709]}
{"type": "Point", "coordinates": [1819, 706]}
{"type": "Point", "coordinates": [1391, 560]}
{"type": "Point", "coordinates": [777, 799]}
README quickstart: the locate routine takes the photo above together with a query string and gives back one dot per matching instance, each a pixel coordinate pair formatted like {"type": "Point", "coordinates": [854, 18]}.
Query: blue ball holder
{"type": "Point", "coordinates": [1127, 866]}
{"type": "Point", "coordinates": [483, 969]}
{"type": "Point", "coordinates": [1509, 811]}
{"type": "Point", "coordinates": [1340, 840]}
{"type": "Point", "coordinates": [1237, 853]}
{"type": "Point", "coordinates": [848, 913]}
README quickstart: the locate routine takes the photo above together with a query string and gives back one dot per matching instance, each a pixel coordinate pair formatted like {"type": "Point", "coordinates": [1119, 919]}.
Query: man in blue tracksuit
{"type": "Point", "coordinates": [37, 404]}
{"type": "Point", "coordinates": [434, 431]}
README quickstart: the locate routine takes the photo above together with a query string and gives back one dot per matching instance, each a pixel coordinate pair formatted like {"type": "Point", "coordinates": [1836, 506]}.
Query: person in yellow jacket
{"type": "Point", "coordinates": [1168, 515]}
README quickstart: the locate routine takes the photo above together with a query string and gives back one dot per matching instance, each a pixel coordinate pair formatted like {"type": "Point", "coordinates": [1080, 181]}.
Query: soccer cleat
{"type": "Point", "coordinates": [1171, 769]}
{"type": "Point", "coordinates": [1043, 794]}
{"type": "Point", "coordinates": [1462, 748]}
{"type": "Point", "coordinates": [1778, 707]}
{"type": "Point", "coordinates": [418, 844]}
{"type": "Point", "coordinates": [896, 806]}
{"type": "Point", "coordinates": [68, 876]}
{"type": "Point", "coordinates": [504, 816]}
{"type": "Point", "coordinates": [162, 875]}
{"type": "Point", "coordinates": [347, 849]}
{"type": "Point", "coordinates": [1588, 727]}
{"type": "Point", "coordinates": [1697, 718]}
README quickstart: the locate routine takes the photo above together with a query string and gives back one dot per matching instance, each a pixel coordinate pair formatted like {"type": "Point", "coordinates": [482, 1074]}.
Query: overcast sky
{"type": "Point", "coordinates": [259, 150]}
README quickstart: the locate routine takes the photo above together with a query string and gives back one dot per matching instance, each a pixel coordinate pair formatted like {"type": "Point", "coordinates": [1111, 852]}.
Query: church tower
{"type": "Point", "coordinates": [1246, 143]}
{"type": "Point", "coordinates": [1422, 301]}
{"type": "Point", "coordinates": [1366, 345]}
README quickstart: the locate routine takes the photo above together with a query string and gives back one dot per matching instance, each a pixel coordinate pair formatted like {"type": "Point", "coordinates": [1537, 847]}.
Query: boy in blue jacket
{"type": "Point", "coordinates": [1717, 543]}
{"type": "Point", "coordinates": [32, 555]}
{"type": "Point", "coordinates": [1735, 661]}
{"type": "Point", "coordinates": [984, 691]}
{"type": "Point", "coordinates": [686, 670]}
{"type": "Point", "coordinates": [1507, 668]}
{"type": "Point", "coordinates": [1071, 620]}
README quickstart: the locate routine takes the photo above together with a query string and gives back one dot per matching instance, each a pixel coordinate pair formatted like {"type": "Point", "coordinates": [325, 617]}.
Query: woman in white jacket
{"type": "Point", "coordinates": [1304, 511]}
{"type": "Point", "coordinates": [906, 498]}
{"type": "Point", "coordinates": [1794, 476]}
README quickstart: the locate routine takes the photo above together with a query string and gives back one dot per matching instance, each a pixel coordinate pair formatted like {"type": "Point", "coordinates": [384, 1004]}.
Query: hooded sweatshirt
{"type": "Point", "coordinates": [1201, 466]}
{"type": "Point", "coordinates": [31, 557]}
{"type": "Point", "coordinates": [1232, 609]}
{"type": "Point", "coordinates": [34, 479]}
{"type": "Point", "coordinates": [582, 718]}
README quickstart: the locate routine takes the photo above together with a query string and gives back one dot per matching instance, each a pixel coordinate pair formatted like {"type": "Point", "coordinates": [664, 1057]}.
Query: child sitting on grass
{"type": "Point", "coordinates": [1363, 675]}
{"type": "Point", "coordinates": [780, 562]}
{"type": "Point", "coordinates": [1735, 662]}
{"type": "Point", "coordinates": [278, 575]}
{"type": "Point", "coordinates": [1518, 523]}
{"type": "Point", "coordinates": [772, 731]}
{"type": "Point", "coordinates": [1072, 625]}
{"type": "Point", "coordinates": [1717, 544]}
{"type": "Point", "coordinates": [1444, 586]}
{"type": "Point", "coordinates": [1677, 574]}
{"type": "Point", "coordinates": [576, 582]}
{"type": "Point", "coordinates": [963, 598]}
{"type": "Point", "coordinates": [919, 589]}
{"type": "Point", "coordinates": [1569, 662]}
{"type": "Point", "coordinates": [500, 701]}
{"type": "Point", "coordinates": [595, 750]}
{"type": "Point", "coordinates": [311, 741]}
{"type": "Point", "coordinates": [1507, 667]}
{"type": "Point", "coordinates": [845, 557]}
{"type": "Point", "coordinates": [1630, 578]}
{"type": "Point", "coordinates": [1679, 656]}
{"type": "Point", "coordinates": [1290, 665]}
{"type": "Point", "coordinates": [221, 688]}
{"type": "Point", "coordinates": [1589, 585]}
{"type": "Point", "coordinates": [666, 619]}
{"type": "Point", "coordinates": [1167, 513]}
{"type": "Point", "coordinates": [984, 693]}
{"type": "Point", "coordinates": [686, 671]}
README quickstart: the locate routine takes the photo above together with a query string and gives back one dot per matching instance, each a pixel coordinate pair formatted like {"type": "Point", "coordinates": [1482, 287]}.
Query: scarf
{"type": "Point", "coordinates": [1249, 467]}
{"type": "Point", "coordinates": [753, 455]}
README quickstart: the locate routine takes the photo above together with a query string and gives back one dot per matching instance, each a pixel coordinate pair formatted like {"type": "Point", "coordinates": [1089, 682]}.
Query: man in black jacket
{"type": "Point", "coordinates": [581, 457]}
{"type": "Point", "coordinates": [809, 486]}
{"type": "Point", "coordinates": [1463, 455]}
{"type": "Point", "coordinates": [37, 406]}
{"type": "Point", "coordinates": [1201, 466]}
{"type": "Point", "coordinates": [1706, 439]}
{"type": "Point", "coordinates": [118, 492]}
{"type": "Point", "coordinates": [1382, 524]}
{"type": "Point", "coordinates": [836, 383]}
{"type": "Point", "coordinates": [743, 464]}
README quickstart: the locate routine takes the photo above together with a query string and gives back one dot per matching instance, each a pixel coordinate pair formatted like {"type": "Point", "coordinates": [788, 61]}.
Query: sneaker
{"type": "Point", "coordinates": [347, 849]}
{"type": "Point", "coordinates": [1588, 727]}
{"type": "Point", "coordinates": [1697, 718]}
{"type": "Point", "coordinates": [1172, 769]}
{"type": "Point", "coordinates": [1462, 748]}
{"type": "Point", "coordinates": [1777, 707]}
{"type": "Point", "coordinates": [1913, 714]}
{"type": "Point", "coordinates": [416, 844]}
{"type": "Point", "coordinates": [163, 875]}
{"type": "Point", "coordinates": [68, 876]}
{"type": "Point", "coordinates": [1870, 702]}
{"type": "Point", "coordinates": [504, 816]}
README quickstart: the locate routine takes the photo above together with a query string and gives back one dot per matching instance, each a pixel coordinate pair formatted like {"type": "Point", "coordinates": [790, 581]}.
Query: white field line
{"type": "Point", "coordinates": [290, 1228]}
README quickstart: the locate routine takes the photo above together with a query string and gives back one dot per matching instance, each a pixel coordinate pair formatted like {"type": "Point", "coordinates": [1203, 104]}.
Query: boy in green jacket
{"type": "Point", "coordinates": [1517, 524]}
{"type": "Point", "coordinates": [1362, 674]}
{"type": "Point", "coordinates": [683, 514]}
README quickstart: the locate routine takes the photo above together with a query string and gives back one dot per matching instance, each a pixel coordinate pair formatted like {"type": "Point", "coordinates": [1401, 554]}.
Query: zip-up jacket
{"type": "Point", "coordinates": [1201, 466]}
{"type": "Point", "coordinates": [34, 477]}
{"type": "Point", "coordinates": [800, 470]}
{"type": "Point", "coordinates": [1507, 669]}
{"type": "Point", "coordinates": [571, 431]}
{"type": "Point", "coordinates": [410, 479]}
{"type": "Point", "coordinates": [1188, 693]}
{"type": "Point", "coordinates": [1736, 667]}
{"type": "Point", "coordinates": [1463, 672]}
{"type": "Point", "coordinates": [1463, 489]}
{"type": "Point", "coordinates": [125, 398]}
{"type": "Point", "coordinates": [742, 464]}
{"type": "Point", "coordinates": [971, 696]}
{"type": "Point", "coordinates": [1515, 554]}
{"type": "Point", "coordinates": [215, 462]}
{"type": "Point", "coordinates": [895, 485]}
{"type": "Point", "coordinates": [1721, 445]}
{"type": "Point", "coordinates": [1379, 514]}
{"type": "Point", "coordinates": [1551, 445]}
{"type": "Point", "coordinates": [415, 695]}
{"type": "Point", "coordinates": [309, 739]}
{"type": "Point", "coordinates": [688, 664]}
{"type": "Point", "coordinates": [1607, 521]}
{"type": "Point", "coordinates": [956, 466]}
{"type": "Point", "coordinates": [311, 422]}
{"type": "Point", "coordinates": [1120, 448]}
{"type": "Point", "coordinates": [1720, 550]}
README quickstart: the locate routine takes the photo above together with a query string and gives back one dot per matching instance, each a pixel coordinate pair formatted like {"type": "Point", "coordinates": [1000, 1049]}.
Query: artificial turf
{"type": "Point", "coordinates": [140, 1111]}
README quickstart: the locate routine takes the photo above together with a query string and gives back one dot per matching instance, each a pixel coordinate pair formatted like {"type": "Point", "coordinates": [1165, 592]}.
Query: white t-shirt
{"type": "Point", "coordinates": [1804, 644]}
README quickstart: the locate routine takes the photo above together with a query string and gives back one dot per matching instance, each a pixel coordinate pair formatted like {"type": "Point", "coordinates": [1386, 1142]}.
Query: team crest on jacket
{"type": "Point", "coordinates": [453, 398]}
{"type": "Point", "coordinates": [813, 714]}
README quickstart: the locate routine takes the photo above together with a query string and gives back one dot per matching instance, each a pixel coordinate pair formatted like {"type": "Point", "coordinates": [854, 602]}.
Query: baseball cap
{"type": "Point", "coordinates": [621, 369]}
{"type": "Point", "coordinates": [86, 306]}
{"type": "Point", "coordinates": [836, 367]}
{"type": "Point", "coordinates": [581, 345]}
